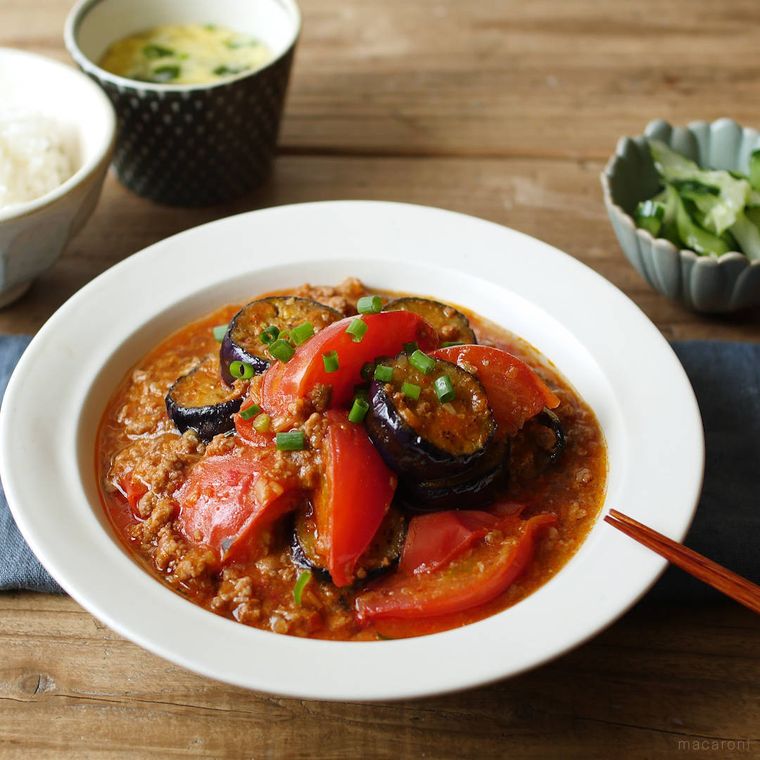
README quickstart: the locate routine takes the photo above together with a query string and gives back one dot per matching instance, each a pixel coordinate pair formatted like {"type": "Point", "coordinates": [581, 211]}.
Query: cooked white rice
{"type": "Point", "coordinates": [33, 160]}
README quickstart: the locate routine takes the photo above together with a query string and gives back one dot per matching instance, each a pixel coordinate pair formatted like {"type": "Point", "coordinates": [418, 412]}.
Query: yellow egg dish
{"type": "Point", "coordinates": [185, 54]}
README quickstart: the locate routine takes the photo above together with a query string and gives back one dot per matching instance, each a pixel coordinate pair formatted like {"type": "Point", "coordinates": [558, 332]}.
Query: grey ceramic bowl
{"type": "Point", "coordinates": [701, 283]}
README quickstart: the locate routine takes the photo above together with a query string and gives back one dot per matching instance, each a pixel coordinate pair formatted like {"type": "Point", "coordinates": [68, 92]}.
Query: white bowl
{"type": "Point", "coordinates": [33, 234]}
{"type": "Point", "coordinates": [598, 339]}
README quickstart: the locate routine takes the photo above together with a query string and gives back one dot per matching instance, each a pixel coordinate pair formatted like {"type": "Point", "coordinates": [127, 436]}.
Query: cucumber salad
{"type": "Point", "coordinates": [708, 211]}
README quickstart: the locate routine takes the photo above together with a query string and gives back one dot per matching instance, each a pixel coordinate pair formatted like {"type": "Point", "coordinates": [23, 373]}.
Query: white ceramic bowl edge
{"type": "Point", "coordinates": [655, 458]}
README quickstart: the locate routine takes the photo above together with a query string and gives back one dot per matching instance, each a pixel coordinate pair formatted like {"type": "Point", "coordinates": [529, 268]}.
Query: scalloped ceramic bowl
{"type": "Point", "coordinates": [701, 283]}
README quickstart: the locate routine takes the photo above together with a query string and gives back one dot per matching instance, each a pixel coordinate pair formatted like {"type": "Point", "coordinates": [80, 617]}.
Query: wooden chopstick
{"type": "Point", "coordinates": [740, 589]}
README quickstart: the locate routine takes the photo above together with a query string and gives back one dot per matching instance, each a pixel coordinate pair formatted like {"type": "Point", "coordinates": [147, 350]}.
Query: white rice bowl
{"type": "Point", "coordinates": [33, 158]}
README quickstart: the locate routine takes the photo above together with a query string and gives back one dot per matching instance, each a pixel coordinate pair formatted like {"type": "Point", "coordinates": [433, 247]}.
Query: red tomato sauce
{"type": "Point", "coordinates": [225, 542]}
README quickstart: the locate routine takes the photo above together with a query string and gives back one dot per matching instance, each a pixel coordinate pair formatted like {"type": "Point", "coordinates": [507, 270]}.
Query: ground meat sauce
{"type": "Point", "coordinates": [142, 460]}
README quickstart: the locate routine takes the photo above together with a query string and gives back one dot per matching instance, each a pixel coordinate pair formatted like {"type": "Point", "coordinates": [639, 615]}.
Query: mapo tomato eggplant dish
{"type": "Point", "coordinates": [334, 462]}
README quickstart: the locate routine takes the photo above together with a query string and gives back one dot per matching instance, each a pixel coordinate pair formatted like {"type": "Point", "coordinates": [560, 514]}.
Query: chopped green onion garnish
{"type": "Point", "coordinates": [444, 389]}
{"type": "Point", "coordinates": [449, 343]}
{"type": "Point", "coordinates": [422, 362]}
{"type": "Point", "coordinates": [295, 440]}
{"type": "Point", "coordinates": [282, 350]}
{"type": "Point", "coordinates": [356, 329]}
{"type": "Point", "coordinates": [358, 410]}
{"type": "Point", "coordinates": [235, 44]}
{"type": "Point", "coordinates": [165, 74]}
{"type": "Point", "coordinates": [410, 348]}
{"type": "Point", "coordinates": [383, 373]}
{"type": "Point", "coordinates": [369, 305]}
{"type": "Point", "coordinates": [219, 332]}
{"type": "Point", "coordinates": [301, 583]}
{"type": "Point", "coordinates": [331, 362]}
{"type": "Point", "coordinates": [223, 70]}
{"type": "Point", "coordinates": [152, 51]}
{"type": "Point", "coordinates": [250, 411]}
{"type": "Point", "coordinates": [302, 333]}
{"type": "Point", "coordinates": [262, 423]}
{"type": "Point", "coordinates": [410, 390]}
{"type": "Point", "coordinates": [241, 370]}
{"type": "Point", "coordinates": [270, 334]}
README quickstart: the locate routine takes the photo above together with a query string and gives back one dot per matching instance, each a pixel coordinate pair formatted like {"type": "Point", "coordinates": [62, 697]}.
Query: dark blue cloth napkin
{"type": "Point", "coordinates": [726, 379]}
{"type": "Point", "coordinates": [19, 568]}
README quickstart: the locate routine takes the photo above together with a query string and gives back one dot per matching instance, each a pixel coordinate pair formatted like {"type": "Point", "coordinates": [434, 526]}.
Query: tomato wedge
{"type": "Point", "coordinates": [228, 499]}
{"type": "Point", "coordinates": [246, 430]}
{"type": "Point", "coordinates": [515, 392]}
{"type": "Point", "coordinates": [475, 578]}
{"type": "Point", "coordinates": [385, 335]}
{"type": "Point", "coordinates": [356, 492]}
{"type": "Point", "coordinates": [434, 540]}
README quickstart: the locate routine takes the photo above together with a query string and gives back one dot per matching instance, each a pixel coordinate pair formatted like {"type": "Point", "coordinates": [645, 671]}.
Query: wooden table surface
{"type": "Point", "coordinates": [505, 110]}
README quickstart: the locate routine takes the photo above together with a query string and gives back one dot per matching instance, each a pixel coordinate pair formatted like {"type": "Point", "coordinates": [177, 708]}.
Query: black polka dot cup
{"type": "Point", "coordinates": [191, 145]}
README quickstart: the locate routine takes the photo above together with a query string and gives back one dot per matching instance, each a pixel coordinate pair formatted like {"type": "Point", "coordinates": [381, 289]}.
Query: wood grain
{"type": "Point", "coordinates": [505, 110]}
{"type": "Point", "coordinates": [508, 78]}
{"type": "Point", "coordinates": [541, 198]}
{"type": "Point", "coordinates": [695, 679]}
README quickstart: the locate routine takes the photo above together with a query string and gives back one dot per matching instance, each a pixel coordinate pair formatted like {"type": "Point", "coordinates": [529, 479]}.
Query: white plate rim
{"type": "Point", "coordinates": [147, 613]}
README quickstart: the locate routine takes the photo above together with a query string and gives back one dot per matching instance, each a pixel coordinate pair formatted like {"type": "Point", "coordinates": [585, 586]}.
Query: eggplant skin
{"type": "Point", "coordinates": [431, 479]}
{"type": "Point", "coordinates": [550, 420]}
{"type": "Point", "coordinates": [242, 343]}
{"type": "Point", "coordinates": [231, 352]}
{"type": "Point", "coordinates": [383, 553]}
{"type": "Point", "coordinates": [300, 559]}
{"type": "Point", "coordinates": [450, 324]}
{"type": "Point", "coordinates": [409, 454]}
{"type": "Point", "coordinates": [208, 415]}
{"type": "Point", "coordinates": [474, 489]}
